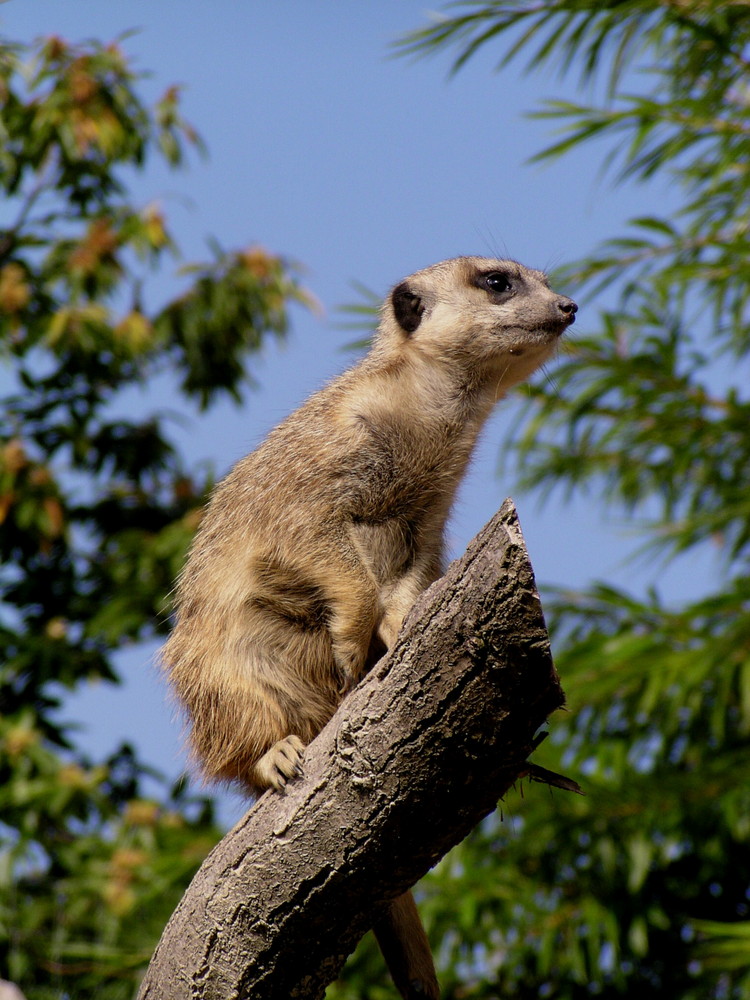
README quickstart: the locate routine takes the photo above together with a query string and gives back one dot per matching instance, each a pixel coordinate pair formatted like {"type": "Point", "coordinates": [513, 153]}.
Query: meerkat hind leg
{"type": "Point", "coordinates": [280, 764]}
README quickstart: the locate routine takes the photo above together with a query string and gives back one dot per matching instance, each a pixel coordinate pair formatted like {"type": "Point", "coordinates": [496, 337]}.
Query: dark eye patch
{"type": "Point", "coordinates": [497, 282]}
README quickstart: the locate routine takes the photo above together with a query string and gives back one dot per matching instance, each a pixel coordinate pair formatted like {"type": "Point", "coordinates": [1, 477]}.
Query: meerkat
{"type": "Point", "coordinates": [315, 546]}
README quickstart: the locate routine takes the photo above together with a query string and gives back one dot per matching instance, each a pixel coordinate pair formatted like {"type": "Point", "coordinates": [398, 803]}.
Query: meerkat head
{"type": "Point", "coordinates": [497, 318]}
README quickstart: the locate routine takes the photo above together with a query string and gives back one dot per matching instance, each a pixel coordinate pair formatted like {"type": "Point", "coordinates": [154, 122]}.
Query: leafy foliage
{"type": "Point", "coordinates": [96, 506]}
{"type": "Point", "coordinates": [640, 887]}
{"type": "Point", "coordinates": [643, 886]}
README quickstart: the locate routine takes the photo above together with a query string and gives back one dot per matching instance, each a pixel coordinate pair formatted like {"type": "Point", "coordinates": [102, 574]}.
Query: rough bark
{"type": "Point", "coordinates": [415, 757]}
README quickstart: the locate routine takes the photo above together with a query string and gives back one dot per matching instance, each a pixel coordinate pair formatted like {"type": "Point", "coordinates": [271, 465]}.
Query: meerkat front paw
{"type": "Point", "coordinates": [281, 763]}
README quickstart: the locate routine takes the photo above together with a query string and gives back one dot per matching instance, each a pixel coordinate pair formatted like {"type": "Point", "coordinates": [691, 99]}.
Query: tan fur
{"type": "Point", "coordinates": [315, 546]}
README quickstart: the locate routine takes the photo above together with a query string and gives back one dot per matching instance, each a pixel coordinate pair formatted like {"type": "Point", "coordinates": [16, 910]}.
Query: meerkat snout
{"type": "Point", "coordinates": [568, 308]}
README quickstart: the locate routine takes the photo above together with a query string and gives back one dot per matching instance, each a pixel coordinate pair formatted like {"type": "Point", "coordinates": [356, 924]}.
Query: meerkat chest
{"type": "Point", "coordinates": [400, 485]}
{"type": "Point", "coordinates": [403, 469]}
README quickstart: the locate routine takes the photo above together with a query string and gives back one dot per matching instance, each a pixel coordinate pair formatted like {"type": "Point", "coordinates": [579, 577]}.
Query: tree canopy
{"type": "Point", "coordinates": [643, 886]}
{"type": "Point", "coordinates": [640, 887]}
{"type": "Point", "coordinates": [96, 506]}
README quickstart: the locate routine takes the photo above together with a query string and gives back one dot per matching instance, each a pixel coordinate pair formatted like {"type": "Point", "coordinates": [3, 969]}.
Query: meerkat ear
{"type": "Point", "coordinates": [407, 307]}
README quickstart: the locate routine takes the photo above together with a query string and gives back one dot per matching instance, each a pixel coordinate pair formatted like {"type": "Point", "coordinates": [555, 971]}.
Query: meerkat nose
{"type": "Point", "coordinates": [568, 308]}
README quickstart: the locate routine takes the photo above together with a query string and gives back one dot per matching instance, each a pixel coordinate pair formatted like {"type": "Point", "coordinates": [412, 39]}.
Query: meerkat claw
{"type": "Point", "coordinates": [281, 763]}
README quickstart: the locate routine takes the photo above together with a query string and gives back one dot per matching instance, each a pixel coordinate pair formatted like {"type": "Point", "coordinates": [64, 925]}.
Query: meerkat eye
{"type": "Point", "coordinates": [497, 282]}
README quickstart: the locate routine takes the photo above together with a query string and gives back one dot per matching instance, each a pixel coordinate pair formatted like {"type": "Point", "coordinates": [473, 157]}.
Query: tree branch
{"type": "Point", "coordinates": [413, 759]}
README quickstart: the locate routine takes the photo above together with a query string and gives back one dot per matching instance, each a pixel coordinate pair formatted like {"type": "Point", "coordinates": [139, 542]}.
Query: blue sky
{"type": "Point", "coordinates": [362, 167]}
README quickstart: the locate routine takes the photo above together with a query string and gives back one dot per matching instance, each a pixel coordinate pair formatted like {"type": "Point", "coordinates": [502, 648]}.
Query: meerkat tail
{"type": "Point", "coordinates": [406, 950]}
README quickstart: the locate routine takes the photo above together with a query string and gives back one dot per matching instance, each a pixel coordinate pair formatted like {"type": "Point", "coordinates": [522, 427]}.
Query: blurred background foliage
{"type": "Point", "coordinates": [640, 887]}
{"type": "Point", "coordinates": [96, 507]}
